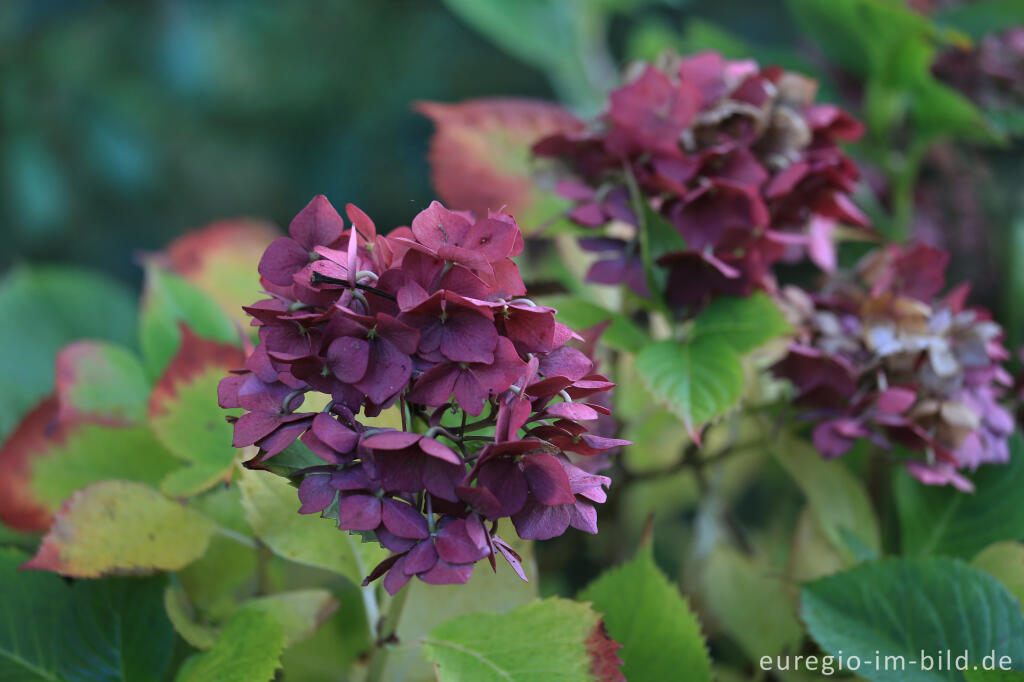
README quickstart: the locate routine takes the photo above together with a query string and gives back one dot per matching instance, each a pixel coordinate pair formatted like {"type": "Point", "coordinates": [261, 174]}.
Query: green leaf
{"type": "Point", "coordinates": [167, 301]}
{"type": "Point", "coordinates": [562, 38]}
{"type": "Point", "coordinates": [741, 323]}
{"type": "Point", "coordinates": [343, 640]}
{"type": "Point", "coordinates": [249, 650]}
{"type": "Point", "coordinates": [901, 607]}
{"type": "Point", "coordinates": [121, 527]}
{"type": "Point", "coordinates": [837, 498]}
{"type": "Point", "coordinates": [221, 260]}
{"type": "Point", "coordinates": [44, 308]}
{"type": "Point", "coordinates": [621, 334]}
{"type": "Point", "coordinates": [185, 416]}
{"type": "Point", "coordinates": [546, 640]}
{"type": "Point", "coordinates": [936, 520]}
{"type": "Point", "coordinates": [101, 381]}
{"type": "Point", "coordinates": [976, 19]}
{"type": "Point", "coordinates": [645, 613]}
{"type": "Point", "coordinates": [1004, 561]}
{"type": "Point", "coordinates": [271, 505]}
{"type": "Point", "coordinates": [657, 237]}
{"type": "Point", "coordinates": [751, 604]}
{"type": "Point", "coordinates": [994, 675]}
{"type": "Point", "coordinates": [184, 618]}
{"type": "Point", "coordinates": [427, 606]}
{"type": "Point", "coordinates": [299, 612]}
{"type": "Point", "coordinates": [96, 630]}
{"type": "Point", "coordinates": [698, 381]}
{"type": "Point", "coordinates": [92, 453]}
{"type": "Point", "coordinates": [115, 630]}
{"type": "Point", "coordinates": [32, 603]}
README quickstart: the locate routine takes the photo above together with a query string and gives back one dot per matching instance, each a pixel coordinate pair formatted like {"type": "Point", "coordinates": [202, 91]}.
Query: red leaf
{"type": "Point", "coordinates": [480, 153]}
{"type": "Point", "coordinates": [37, 433]}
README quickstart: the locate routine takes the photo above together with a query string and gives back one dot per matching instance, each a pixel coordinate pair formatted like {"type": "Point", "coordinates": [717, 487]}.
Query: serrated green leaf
{"type": "Point", "coordinates": [427, 606]}
{"type": "Point", "coordinates": [545, 640]}
{"type": "Point", "coordinates": [249, 650]}
{"type": "Point", "coordinates": [751, 604]}
{"type": "Point", "coordinates": [902, 607]}
{"type": "Point", "coordinates": [837, 499]}
{"type": "Point", "coordinates": [185, 416]}
{"type": "Point", "coordinates": [698, 381]}
{"type": "Point", "coordinates": [943, 520]}
{"type": "Point", "coordinates": [121, 527]}
{"type": "Point", "coordinates": [741, 323]}
{"type": "Point", "coordinates": [621, 334]}
{"type": "Point", "coordinates": [44, 308]}
{"type": "Point", "coordinates": [645, 613]}
{"type": "Point", "coordinates": [271, 505]}
{"type": "Point", "coordinates": [1004, 561]}
{"type": "Point", "coordinates": [167, 301]}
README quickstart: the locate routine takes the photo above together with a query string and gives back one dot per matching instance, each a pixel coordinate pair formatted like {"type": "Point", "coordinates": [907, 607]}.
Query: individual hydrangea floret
{"type": "Point", "coordinates": [738, 158]}
{"type": "Point", "coordinates": [432, 324]}
{"type": "Point", "coordinates": [881, 355]}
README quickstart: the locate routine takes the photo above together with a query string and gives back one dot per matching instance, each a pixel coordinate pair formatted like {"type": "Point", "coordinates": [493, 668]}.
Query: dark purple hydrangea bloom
{"type": "Point", "coordinates": [739, 159]}
{"type": "Point", "coordinates": [431, 324]}
{"type": "Point", "coordinates": [881, 356]}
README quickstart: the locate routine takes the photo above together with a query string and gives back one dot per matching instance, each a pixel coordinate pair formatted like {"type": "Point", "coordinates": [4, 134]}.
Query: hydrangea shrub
{"type": "Point", "coordinates": [432, 320]}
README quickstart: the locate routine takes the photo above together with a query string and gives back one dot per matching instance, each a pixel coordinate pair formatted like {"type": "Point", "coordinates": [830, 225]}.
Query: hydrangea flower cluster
{"type": "Point", "coordinates": [881, 356]}
{"type": "Point", "coordinates": [432, 321]}
{"type": "Point", "coordinates": [739, 159]}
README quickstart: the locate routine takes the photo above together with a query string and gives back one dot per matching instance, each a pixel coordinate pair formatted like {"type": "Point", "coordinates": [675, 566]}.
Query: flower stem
{"type": "Point", "coordinates": [386, 636]}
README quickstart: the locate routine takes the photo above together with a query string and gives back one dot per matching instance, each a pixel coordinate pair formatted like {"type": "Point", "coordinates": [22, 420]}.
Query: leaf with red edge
{"type": "Point", "coordinates": [102, 382]}
{"type": "Point", "coordinates": [19, 508]}
{"type": "Point", "coordinates": [605, 663]}
{"type": "Point", "coordinates": [220, 260]}
{"type": "Point", "coordinates": [480, 156]}
{"type": "Point", "coordinates": [47, 459]}
{"type": "Point", "coordinates": [554, 639]}
{"type": "Point", "coordinates": [121, 527]}
{"type": "Point", "coordinates": [185, 417]}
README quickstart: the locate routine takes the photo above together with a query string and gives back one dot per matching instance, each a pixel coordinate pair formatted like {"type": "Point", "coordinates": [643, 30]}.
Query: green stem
{"type": "Point", "coordinates": [386, 636]}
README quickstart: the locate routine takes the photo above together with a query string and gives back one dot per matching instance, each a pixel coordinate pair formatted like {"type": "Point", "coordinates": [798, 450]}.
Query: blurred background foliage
{"type": "Point", "coordinates": [124, 125]}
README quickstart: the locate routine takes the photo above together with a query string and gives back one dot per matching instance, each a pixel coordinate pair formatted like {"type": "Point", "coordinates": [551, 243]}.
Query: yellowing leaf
{"type": "Point", "coordinates": [45, 460]}
{"type": "Point", "coordinates": [220, 260]}
{"type": "Point", "coordinates": [545, 640]}
{"type": "Point", "coordinates": [101, 381]}
{"type": "Point", "coordinates": [121, 527]}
